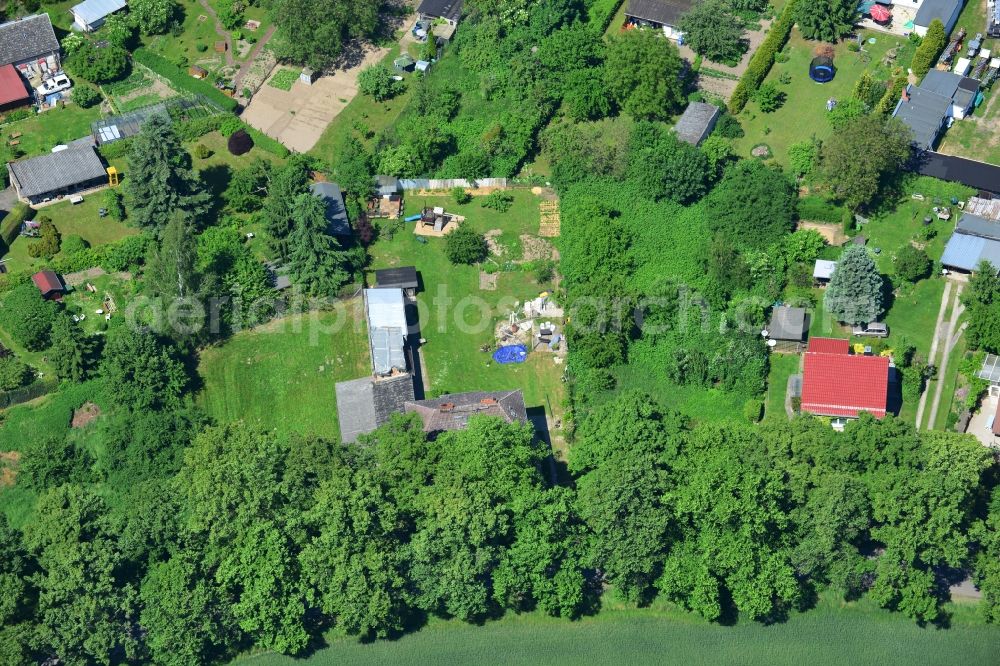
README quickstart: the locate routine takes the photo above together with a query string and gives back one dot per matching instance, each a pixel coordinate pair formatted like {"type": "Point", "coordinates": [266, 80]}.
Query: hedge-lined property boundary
{"type": "Point", "coordinates": [601, 13]}
{"type": "Point", "coordinates": [26, 393]}
{"type": "Point", "coordinates": [10, 227]}
{"type": "Point", "coordinates": [182, 81]}
{"type": "Point", "coordinates": [762, 61]}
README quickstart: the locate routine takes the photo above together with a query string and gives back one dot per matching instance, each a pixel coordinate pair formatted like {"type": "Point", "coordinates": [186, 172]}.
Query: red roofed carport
{"type": "Point", "coordinates": [838, 384]}
{"type": "Point", "coordinates": [13, 92]}
{"type": "Point", "coordinates": [49, 284]}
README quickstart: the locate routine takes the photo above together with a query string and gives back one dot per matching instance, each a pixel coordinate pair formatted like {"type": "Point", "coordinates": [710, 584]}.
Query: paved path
{"type": "Point", "coordinates": [220, 31]}
{"type": "Point", "coordinates": [245, 67]}
{"type": "Point", "coordinates": [956, 312]}
{"type": "Point", "coordinates": [934, 347]}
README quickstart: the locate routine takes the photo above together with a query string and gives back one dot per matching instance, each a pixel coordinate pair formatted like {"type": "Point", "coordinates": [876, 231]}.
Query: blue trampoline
{"type": "Point", "coordinates": [511, 354]}
{"type": "Point", "coordinates": [821, 69]}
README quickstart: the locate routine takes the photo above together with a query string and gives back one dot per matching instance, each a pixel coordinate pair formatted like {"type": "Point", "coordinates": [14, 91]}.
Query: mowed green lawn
{"type": "Point", "coordinates": [857, 634]}
{"type": "Point", "coordinates": [282, 375]}
{"type": "Point", "coordinates": [71, 220]}
{"type": "Point", "coordinates": [457, 318]}
{"type": "Point", "coordinates": [42, 132]}
{"type": "Point", "coordinates": [804, 112]}
{"type": "Point", "coordinates": [783, 366]}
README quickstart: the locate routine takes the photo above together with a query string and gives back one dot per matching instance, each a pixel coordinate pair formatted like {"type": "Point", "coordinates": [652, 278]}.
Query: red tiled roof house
{"type": "Point", "coordinates": [841, 385]}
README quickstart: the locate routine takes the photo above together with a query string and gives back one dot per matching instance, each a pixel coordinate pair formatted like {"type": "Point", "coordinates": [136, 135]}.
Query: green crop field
{"type": "Point", "coordinates": [283, 79]}
{"type": "Point", "coordinates": [282, 375]}
{"type": "Point", "coordinates": [827, 635]}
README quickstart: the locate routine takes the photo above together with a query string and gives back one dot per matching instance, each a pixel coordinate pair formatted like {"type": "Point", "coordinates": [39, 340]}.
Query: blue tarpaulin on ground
{"type": "Point", "coordinates": [511, 354]}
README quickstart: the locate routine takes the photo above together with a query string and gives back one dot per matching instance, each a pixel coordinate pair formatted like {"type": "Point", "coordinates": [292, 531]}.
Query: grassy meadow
{"type": "Point", "coordinates": [281, 376]}
{"type": "Point", "coordinates": [833, 633]}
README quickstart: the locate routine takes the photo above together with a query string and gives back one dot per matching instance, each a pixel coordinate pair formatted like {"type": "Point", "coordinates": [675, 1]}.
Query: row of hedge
{"type": "Point", "coordinates": [182, 80]}
{"type": "Point", "coordinates": [601, 13]}
{"type": "Point", "coordinates": [34, 390]}
{"type": "Point", "coordinates": [762, 61]}
{"type": "Point", "coordinates": [10, 227]}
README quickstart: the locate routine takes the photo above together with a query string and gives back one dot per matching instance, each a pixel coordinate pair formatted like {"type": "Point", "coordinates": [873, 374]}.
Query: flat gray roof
{"type": "Point", "coordinates": [943, 10]}
{"type": "Point", "coordinates": [355, 408]}
{"type": "Point", "coordinates": [696, 122]}
{"type": "Point", "coordinates": [57, 171]}
{"type": "Point", "coordinates": [973, 225]}
{"type": "Point", "coordinates": [336, 214]}
{"type": "Point", "coordinates": [787, 323]}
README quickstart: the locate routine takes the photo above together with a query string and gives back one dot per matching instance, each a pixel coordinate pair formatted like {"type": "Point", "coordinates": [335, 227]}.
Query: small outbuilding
{"type": "Point", "coordinates": [404, 277]}
{"type": "Point", "coordinates": [404, 63]}
{"type": "Point", "coordinates": [990, 372]}
{"type": "Point", "coordinates": [697, 122]}
{"type": "Point", "coordinates": [50, 284]}
{"type": "Point", "coordinates": [40, 179]}
{"type": "Point", "coordinates": [13, 92]}
{"type": "Point", "coordinates": [946, 11]}
{"type": "Point", "coordinates": [788, 329]}
{"type": "Point", "coordinates": [823, 270]}
{"type": "Point", "coordinates": [90, 15]}
{"type": "Point", "coordinates": [976, 239]}
{"type": "Point", "coordinates": [336, 213]}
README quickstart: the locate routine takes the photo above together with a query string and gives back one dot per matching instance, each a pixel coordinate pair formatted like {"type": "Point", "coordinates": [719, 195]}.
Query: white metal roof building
{"type": "Point", "coordinates": [824, 268]}
{"type": "Point", "coordinates": [387, 329]}
{"type": "Point", "coordinates": [89, 15]}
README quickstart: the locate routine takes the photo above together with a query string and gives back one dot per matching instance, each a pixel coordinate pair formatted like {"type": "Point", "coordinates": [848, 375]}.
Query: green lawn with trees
{"type": "Point", "coordinates": [180, 496]}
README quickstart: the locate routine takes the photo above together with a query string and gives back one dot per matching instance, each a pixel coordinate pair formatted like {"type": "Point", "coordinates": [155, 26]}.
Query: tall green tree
{"type": "Point", "coordinates": [71, 350]}
{"type": "Point", "coordinates": [855, 294]}
{"type": "Point", "coordinates": [315, 261]}
{"type": "Point", "coordinates": [234, 494]}
{"type": "Point", "coordinates": [27, 317]}
{"type": "Point", "coordinates": [314, 33]}
{"type": "Point", "coordinates": [642, 74]}
{"type": "Point", "coordinates": [161, 182]}
{"type": "Point", "coordinates": [87, 610]}
{"type": "Point", "coordinates": [753, 206]}
{"type": "Point", "coordinates": [624, 490]}
{"type": "Point", "coordinates": [863, 156]}
{"type": "Point", "coordinates": [152, 17]}
{"type": "Point", "coordinates": [714, 31]}
{"type": "Point", "coordinates": [183, 290]}
{"type": "Point", "coordinates": [930, 48]}
{"type": "Point", "coordinates": [662, 166]}
{"type": "Point", "coordinates": [283, 187]}
{"type": "Point", "coordinates": [140, 372]}
{"type": "Point", "coordinates": [826, 20]}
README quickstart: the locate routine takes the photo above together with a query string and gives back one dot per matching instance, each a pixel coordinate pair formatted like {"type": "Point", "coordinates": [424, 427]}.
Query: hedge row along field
{"type": "Point", "coordinates": [762, 61]}
{"type": "Point", "coordinates": [182, 81]}
{"type": "Point", "coordinates": [10, 227]}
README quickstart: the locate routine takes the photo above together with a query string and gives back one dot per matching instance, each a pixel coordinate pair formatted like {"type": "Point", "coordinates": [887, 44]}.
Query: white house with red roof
{"type": "Point", "coordinates": [841, 385]}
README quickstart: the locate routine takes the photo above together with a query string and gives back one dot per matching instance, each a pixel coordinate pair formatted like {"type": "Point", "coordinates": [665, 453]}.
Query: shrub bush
{"type": "Point", "coordinates": [465, 245]}
{"type": "Point", "coordinates": [460, 195]}
{"type": "Point", "coordinates": [912, 264]}
{"type": "Point", "coordinates": [498, 200]}
{"type": "Point", "coordinates": [27, 317]}
{"type": "Point", "coordinates": [182, 81]}
{"type": "Point", "coordinates": [73, 244]}
{"type": "Point", "coordinates": [753, 410]}
{"type": "Point", "coordinates": [114, 201]}
{"type": "Point", "coordinates": [13, 373]}
{"type": "Point", "coordinates": [769, 98]}
{"type": "Point", "coordinates": [240, 143]}
{"type": "Point", "coordinates": [49, 241]}
{"type": "Point", "coordinates": [85, 96]}
{"type": "Point", "coordinates": [189, 130]}
{"type": "Point", "coordinates": [230, 125]}
{"type": "Point", "coordinates": [762, 61]}
{"type": "Point", "coordinates": [116, 150]}
{"type": "Point", "coordinates": [930, 48]}
{"type": "Point", "coordinates": [202, 152]}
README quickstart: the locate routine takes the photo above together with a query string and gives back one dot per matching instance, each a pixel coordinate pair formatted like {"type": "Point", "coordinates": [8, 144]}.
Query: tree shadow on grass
{"type": "Point", "coordinates": [216, 178]}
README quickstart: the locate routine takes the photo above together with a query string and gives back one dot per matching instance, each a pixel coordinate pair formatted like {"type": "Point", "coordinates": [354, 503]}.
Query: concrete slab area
{"type": "Point", "coordinates": [297, 117]}
{"type": "Point", "coordinates": [978, 425]}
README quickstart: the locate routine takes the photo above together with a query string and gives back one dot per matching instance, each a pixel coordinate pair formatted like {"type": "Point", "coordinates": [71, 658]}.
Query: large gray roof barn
{"type": "Point", "coordinates": [658, 12]}
{"type": "Point", "coordinates": [975, 240]}
{"type": "Point", "coordinates": [449, 10]}
{"type": "Point", "coordinates": [48, 176]}
{"type": "Point", "coordinates": [26, 39]}
{"type": "Point", "coordinates": [697, 122]}
{"type": "Point", "coordinates": [946, 11]}
{"type": "Point", "coordinates": [452, 412]}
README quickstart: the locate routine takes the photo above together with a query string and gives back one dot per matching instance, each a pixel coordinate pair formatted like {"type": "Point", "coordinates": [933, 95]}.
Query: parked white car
{"type": "Point", "coordinates": [57, 83]}
{"type": "Point", "coordinates": [874, 329]}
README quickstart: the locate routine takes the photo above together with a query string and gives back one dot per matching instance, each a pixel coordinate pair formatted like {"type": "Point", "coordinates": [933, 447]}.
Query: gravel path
{"type": "Point", "coordinates": [934, 347]}
{"type": "Point", "coordinates": [245, 67]}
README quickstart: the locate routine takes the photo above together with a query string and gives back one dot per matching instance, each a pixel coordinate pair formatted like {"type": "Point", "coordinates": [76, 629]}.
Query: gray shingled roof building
{"type": "Point", "coordinates": [961, 90]}
{"type": "Point", "coordinates": [697, 122]}
{"type": "Point", "coordinates": [449, 10]}
{"type": "Point", "coordinates": [365, 404]}
{"type": "Point", "coordinates": [788, 324]}
{"type": "Point", "coordinates": [27, 39]}
{"type": "Point", "coordinates": [924, 112]}
{"type": "Point", "coordinates": [49, 176]}
{"type": "Point", "coordinates": [336, 214]}
{"type": "Point", "coordinates": [658, 12]}
{"type": "Point", "coordinates": [975, 240]}
{"type": "Point", "coordinates": [946, 11]}
{"type": "Point", "coordinates": [452, 412]}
